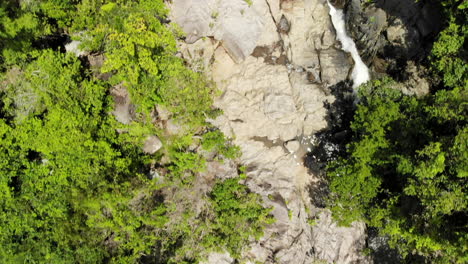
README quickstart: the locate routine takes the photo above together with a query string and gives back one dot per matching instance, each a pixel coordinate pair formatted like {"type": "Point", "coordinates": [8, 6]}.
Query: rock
{"type": "Point", "coordinates": [162, 113]}
{"type": "Point", "coordinates": [95, 62]}
{"type": "Point", "coordinates": [219, 258]}
{"type": "Point", "coordinates": [396, 33]}
{"type": "Point", "coordinates": [124, 110]}
{"type": "Point", "coordinates": [279, 107]}
{"type": "Point", "coordinates": [272, 54]}
{"type": "Point", "coordinates": [342, 64]}
{"type": "Point", "coordinates": [340, 4]}
{"type": "Point", "coordinates": [338, 244]}
{"type": "Point", "coordinates": [173, 127]}
{"type": "Point", "coordinates": [224, 170]}
{"type": "Point", "coordinates": [416, 80]}
{"type": "Point", "coordinates": [238, 26]}
{"type": "Point", "coordinates": [152, 144]}
{"type": "Point", "coordinates": [283, 25]}
{"type": "Point", "coordinates": [268, 99]}
{"type": "Point", "coordinates": [409, 24]}
{"type": "Point", "coordinates": [366, 27]}
{"type": "Point", "coordinates": [402, 40]}
{"type": "Point", "coordinates": [200, 53]}
{"type": "Point", "coordinates": [312, 77]}
{"type": "Point", "coordinates": [293, 146]}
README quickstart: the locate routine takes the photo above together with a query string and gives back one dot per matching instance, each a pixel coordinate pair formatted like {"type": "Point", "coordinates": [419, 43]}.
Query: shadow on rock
{"type": "Point", "coordinates": [331, 142]}
{"type": "Point", "coordinates": [388, 33]}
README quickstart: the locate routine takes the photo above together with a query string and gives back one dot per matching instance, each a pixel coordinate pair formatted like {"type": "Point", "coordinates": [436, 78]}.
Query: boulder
{"type": "Point", "coordinates": [152, 144]}
{"type": "Point", "coordinates": [124, 110]}
{"type": "Point", "coordinates": [293, 146]}
{"type": "Point", "coordinates": [73, 48]}
{"type": "Point", "coordinates": [283, 25]}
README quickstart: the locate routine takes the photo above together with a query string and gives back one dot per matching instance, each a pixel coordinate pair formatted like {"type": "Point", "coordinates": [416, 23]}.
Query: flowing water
{"type": "Point", "coordinates": [360, 73]}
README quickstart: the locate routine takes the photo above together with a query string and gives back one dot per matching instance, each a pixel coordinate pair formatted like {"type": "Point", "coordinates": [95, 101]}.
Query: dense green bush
{"type": "Point", "coordinates": [215, 140]}
{"type": "Point", "coordinates": [238, 217]}
{"type": "Point", "coordinates": [406, 171]}
{"type": "Point", "coordinates": [74, 184]}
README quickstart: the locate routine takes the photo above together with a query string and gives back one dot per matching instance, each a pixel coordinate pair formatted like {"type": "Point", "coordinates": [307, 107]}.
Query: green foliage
{"type": "Point", "coordinates": [62, 151]}
{"type": "Point", "coordinates": [406, 170]}
{"type": "Point", "coordinates": [215, 140]}
{"type": "Point", "coordinates": [24, 22]}
{"type": "Point", "coordinates": [249, 2]}
{"type": "Point", "coordinates": [448, 52]}
{"type": "Point", "coordinates": [74, 185]}
{"type": "Point", "coordinates": [238, 217]}
{"type": "Point", "coordinates": [140, 52]}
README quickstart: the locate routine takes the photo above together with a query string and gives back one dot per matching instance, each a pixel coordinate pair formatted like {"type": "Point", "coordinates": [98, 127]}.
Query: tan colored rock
{"type": "Point", "coordinates": [293, 146]}
{"type": "Point", "coordinates": [266, 103]}
{"type": "Point", "coordinates": [123, 108]}
{"type": "Point", "coordinates": [337, 244]}
{"type": "Point", "coordinates": [219, 258]}
{"type": "Point", "coordinates": [162, 112]}
{"type": "Point", "coordinates": [236, 24]}
{"type": "Point", "coordinates": [173, 127]}
{"type": "Point", "coordinates": [152, 144]}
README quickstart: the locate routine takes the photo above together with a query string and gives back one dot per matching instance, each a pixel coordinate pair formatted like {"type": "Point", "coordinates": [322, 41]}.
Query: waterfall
{"type": "Point", "coordinates": [360, 73]}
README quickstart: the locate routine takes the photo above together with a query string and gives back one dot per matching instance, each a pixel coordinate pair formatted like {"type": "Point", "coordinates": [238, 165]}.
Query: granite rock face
{"type": "Point", "coordinates": [274, 62]}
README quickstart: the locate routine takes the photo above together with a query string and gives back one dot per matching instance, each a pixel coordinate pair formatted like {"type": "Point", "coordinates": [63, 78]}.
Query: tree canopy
{"type": "Point", "coordinates": [405, 171]}
{"type": "Point", "coordinates": [75, 184]}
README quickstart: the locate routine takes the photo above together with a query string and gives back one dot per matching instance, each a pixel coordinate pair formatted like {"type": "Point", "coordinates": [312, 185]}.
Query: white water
{"type": "Point", "coordinates": [73, 47]}
{"type": "Point", "coordinates": [360, 73]}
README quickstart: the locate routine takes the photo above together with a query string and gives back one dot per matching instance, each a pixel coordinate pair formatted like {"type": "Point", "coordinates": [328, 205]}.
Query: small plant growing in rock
{"type": "Point", "coordinates": [216, 141]}
{"type": "Point", "coordinates": [312, 222]}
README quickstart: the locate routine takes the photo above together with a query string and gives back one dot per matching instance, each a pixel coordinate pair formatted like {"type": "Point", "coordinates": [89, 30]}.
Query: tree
{"type": "Point", "coordinates": [406, 170]}
{"type": "Point", "coordinates": [74, 185]}
{"type": "Point", "coordinates": [448, 52]}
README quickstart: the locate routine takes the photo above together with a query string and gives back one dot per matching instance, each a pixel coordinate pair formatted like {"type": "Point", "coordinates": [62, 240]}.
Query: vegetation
{"type": "Point", "coordinates": [449, 53]}
{"type": "Point", "coordinates": [406, 172]}
{"type": "Point", "coordinates": [75, 185]}
{"type": "Point", "coordinates": [406, 168]}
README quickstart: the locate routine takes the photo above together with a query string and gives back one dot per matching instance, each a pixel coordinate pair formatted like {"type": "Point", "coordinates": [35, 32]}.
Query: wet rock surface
{"type": "Point", "coordinates": [331, 141]}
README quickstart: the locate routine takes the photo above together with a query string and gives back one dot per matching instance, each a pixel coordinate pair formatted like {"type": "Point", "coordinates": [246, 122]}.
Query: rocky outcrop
{"type": "Point", "coordinates": [395, 28]}
{"type": "Point", "coordinates": [328, 238]}
{"type": "Point", "coordinates": [274, 62]}
{"type": "Point", "coordinates": [393, 36]}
